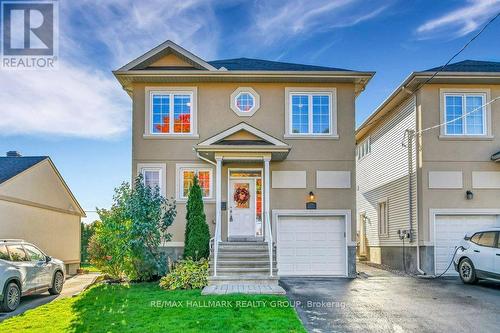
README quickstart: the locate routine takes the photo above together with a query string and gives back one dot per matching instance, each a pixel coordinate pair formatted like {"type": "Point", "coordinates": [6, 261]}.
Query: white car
{"type": "Point", "coordinates": [479, 256]}
{"type": "Point", "coordinates": [26, 270]}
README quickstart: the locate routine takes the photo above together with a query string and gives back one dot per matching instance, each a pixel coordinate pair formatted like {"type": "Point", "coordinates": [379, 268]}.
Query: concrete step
{"type": "Point", "coordinates": [244, 243]}
{"type": "Point", "coordinates": [223, 289]}
{"type": "Point", "coordinates": [241, 263]}
{"type": "Point", "coordinates": [247, 279]}
{"type": "Point", "coordinates": [242, 255]}
{"type": "Point", "coordinates": [242, 271]}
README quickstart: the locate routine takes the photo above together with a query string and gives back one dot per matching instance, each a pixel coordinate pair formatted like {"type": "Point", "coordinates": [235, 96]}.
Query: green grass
{"type": "Point", "coordinates": [145, 307]}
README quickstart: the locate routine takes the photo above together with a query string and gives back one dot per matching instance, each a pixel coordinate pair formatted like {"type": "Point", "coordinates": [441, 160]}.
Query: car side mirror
{"type": "Point", "coordinates": [48, 259]}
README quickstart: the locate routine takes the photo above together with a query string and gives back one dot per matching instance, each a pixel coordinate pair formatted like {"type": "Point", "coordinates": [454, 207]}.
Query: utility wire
{"type": "Point", "coordinates": [458, 118]}
{"type": "Point", "coordinates": [439, 69]}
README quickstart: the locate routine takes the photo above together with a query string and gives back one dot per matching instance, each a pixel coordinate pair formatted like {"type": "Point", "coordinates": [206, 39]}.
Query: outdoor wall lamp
{"type": "Point", "coordinates": [311, 201]}
{"type": "Point", "coordinates": [469, 195]}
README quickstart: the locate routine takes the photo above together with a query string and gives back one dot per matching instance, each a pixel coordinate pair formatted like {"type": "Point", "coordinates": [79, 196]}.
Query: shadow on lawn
{"type": "Point", "coordinates": [102, 308]}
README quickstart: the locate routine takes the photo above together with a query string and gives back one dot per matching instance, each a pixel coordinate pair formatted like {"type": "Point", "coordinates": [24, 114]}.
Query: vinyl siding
{"type": "Point", "coordinates": [383, 174]}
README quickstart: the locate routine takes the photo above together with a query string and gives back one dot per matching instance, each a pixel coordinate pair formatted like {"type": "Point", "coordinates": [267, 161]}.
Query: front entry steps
{"type": "Point", "coordinates": [243, 267]}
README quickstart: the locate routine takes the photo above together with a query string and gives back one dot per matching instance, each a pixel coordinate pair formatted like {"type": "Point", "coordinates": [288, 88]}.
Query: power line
{"type": "Point", "coordinates": [458, 118]}
{"type": "Point", "coordinates": [439, 69]}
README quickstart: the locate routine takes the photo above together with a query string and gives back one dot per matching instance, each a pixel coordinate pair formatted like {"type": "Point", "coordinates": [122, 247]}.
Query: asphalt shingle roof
{"type": "Point", "coordinates": [469, 66]}
{"type": "Point", "coordinates": [11, 166]}
{"type": "Point", "coordinates": [247, 64]}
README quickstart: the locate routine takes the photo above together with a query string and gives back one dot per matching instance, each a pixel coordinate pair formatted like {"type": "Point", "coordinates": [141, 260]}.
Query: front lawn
{"type": "Point", "coordinates": [147, 308]}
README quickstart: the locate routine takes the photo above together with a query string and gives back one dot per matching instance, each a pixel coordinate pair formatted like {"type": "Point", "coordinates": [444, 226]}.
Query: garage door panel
{"type": "Point", "coordinates": [450, 230]}
{"type": "Point", "coordinates": [311, 246]}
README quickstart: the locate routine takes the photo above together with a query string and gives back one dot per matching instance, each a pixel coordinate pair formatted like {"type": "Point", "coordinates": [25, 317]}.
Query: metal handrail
{"type": "Point", "coordinates": [269, 239]}
{"type": "Point", "coordinates": [216, 238]}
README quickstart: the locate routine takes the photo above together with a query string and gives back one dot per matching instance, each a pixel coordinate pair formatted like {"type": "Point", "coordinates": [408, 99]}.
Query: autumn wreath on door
{"type": "Point", "coordinates": [241, 196]}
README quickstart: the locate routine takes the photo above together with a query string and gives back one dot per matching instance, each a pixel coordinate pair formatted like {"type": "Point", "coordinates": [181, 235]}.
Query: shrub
{"type": "Point", "coordinates": [197, 235]}
{"type": "Point", "coordinates": [126, 242]}
{"type": "Point", "coordinates": [186, 274]}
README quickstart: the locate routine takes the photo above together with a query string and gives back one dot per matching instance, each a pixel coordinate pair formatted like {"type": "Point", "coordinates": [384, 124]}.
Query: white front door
{"type": "Point", "coordinates": [242, 208]}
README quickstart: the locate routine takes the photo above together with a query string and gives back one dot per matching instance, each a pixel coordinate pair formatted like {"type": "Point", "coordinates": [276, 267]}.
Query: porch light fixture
{"type": "Point", "coordinates": [469, 195]}
{"type": "Point", "coordinates": [311, 201]}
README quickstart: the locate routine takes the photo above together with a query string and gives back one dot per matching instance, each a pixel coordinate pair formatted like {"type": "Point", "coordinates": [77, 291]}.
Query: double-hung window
{"type": "Point", "coordinates": [311, 113]}
{"type": "Point", "coordinates": [464, 114]}
{"type": "Point", "coordinates": [185, 176]}
{"type": "Point", "coordinates": [153, 176]}
{"type": "Point", "coordinates": [171, 112]}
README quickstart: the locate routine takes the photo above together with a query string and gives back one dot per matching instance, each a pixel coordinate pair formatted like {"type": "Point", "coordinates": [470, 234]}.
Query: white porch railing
{"type": "Point", "coordinates": [268, 236]}
{"type": "Point", "coordinates": [214, 243]}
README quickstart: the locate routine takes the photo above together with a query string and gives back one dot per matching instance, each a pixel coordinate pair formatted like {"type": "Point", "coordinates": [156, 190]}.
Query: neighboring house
{"type": "Point", "coordinates": [260, 135]}
{"type": "Point", "coordinates": [36, 205]}
{"type": "Point", "coordinates": [454, 169]}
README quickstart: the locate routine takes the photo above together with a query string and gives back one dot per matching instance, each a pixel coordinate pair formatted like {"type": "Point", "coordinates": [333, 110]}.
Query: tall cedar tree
{"type": "Point", "coordinates": [197, 235]}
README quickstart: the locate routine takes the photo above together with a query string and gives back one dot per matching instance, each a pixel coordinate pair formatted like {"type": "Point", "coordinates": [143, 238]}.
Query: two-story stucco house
{"type": "Point", "coordinates": [261, 136]}
{"type": "Point", "coordinates": [431, 149]}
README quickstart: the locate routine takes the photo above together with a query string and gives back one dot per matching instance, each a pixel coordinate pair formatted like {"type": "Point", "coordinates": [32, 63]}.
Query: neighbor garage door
{"type": "Point", "coordinates": [450, 230]}
{"type": "Point", "coordinates": [311, 246]}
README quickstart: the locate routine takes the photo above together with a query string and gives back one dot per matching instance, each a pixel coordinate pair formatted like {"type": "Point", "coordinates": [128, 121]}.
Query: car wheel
{"type": "Point", "coordinates": [57, 283]}
{"type": "Point", "coordinates": [12, 297]}
{"type": "Point", "coordinates": [467, 271]}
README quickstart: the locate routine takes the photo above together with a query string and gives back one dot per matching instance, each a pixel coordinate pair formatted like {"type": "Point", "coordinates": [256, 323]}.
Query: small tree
{"type": "Point", "coordinates": [197, 236]}
{"type": "Point", "coordinates": [87, 231]}
{"type": "Point", "coordinates": [127, 241]}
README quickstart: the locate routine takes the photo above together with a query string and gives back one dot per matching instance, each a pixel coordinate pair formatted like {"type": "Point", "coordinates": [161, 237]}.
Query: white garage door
{"type": "Point", "coordinates": [311, 246]}
{"type": "Point", "coordinates": [450, 230]}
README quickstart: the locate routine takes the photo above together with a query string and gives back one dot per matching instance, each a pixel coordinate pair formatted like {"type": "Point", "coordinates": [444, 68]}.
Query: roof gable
{"type": "Point", "coordinates": [243, 134]}
{"type": "Point", "coordinates": [12, 166]}
{"type": "Point", "coordinates": [41, 183]}
{"type": "Point", "coordinates": [164, 50]}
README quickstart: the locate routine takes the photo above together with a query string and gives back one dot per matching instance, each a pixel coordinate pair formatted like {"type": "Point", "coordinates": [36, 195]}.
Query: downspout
{"type": "Point", "coordinates": [411, 134]}
{"type": "Point", "coordinates": [205, 159]}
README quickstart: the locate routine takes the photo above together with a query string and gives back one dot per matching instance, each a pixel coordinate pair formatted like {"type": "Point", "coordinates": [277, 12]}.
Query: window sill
{"type": "Point", "coordinates": [170, 136]}
{"type": "Point", "coordinates": [310, 137]}
{"type": "Point", "coordinates": [183, 201]}
{"type": "Point", "coordinates": [466, 137]}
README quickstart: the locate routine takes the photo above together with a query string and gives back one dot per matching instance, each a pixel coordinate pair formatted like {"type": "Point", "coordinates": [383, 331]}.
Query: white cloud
{"type": "Point", "coordinates": [462, 21]}
{"type": "Point", "coordinates": [275, 20]}
{"type": "Point", "coordinates": [82, 98]}
{"type": "Point", "coordinates": [129, 28]}
{"type": "Point", "coordinates": [69, 101]}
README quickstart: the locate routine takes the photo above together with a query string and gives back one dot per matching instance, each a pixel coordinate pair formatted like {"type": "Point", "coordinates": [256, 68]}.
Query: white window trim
{"type": "Point", "coordinates": [360, 148]}
{"type": "Point", "coordinates": [149, 91]}
{"type": "Point", "coordinates": [162, 168]}
{"type": "Point", "coordinates": [256, 100]}
{"type": "Point", "coordinates": [290, 91]}
{"type": "Point", "coordinates": [386, 202]}
{"type": "Point", "coordinates": [179, 180]}
{"type": "Point", "coordinates": [487, 125]}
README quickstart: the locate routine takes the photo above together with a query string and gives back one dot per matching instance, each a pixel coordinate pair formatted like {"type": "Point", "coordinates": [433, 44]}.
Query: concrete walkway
{"type": "Point", "coordinates": [72, 286]}
{"type": "Point", "coordinates": [243, 289]}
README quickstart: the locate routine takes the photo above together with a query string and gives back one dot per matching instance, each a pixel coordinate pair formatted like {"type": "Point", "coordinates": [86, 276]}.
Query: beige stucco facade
{"type": "Point", "coordinates": [36, 206]}
{"type": "Point", "coordinates": [215, 115]}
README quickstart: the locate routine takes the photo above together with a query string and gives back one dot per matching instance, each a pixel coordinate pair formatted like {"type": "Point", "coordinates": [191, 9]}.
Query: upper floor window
{"type": "Point", "coordinates": [311, 113]}
{"type": "Point", "coordinates": [171, 112]}
{"type": "Point", "coordinates": [364, 148]}
{"type": "Point", "coordinates": [464, 114]}
{"type": "Point", "coordinates": [245, 101]}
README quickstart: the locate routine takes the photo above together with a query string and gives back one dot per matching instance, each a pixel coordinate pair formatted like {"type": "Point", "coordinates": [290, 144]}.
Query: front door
{"type": "Point", "coordinates": [242, 208]}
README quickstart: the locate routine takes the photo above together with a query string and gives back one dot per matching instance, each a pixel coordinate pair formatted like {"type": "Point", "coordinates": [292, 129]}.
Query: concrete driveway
{"type": "Point", "coordinates": [72, 286]}
{"type": "Point", "coordinates": [379, 301]}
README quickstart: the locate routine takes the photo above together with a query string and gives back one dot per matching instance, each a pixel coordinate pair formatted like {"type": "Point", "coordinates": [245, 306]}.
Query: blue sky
{"type": "Point", "coordinates": [80, 116]}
